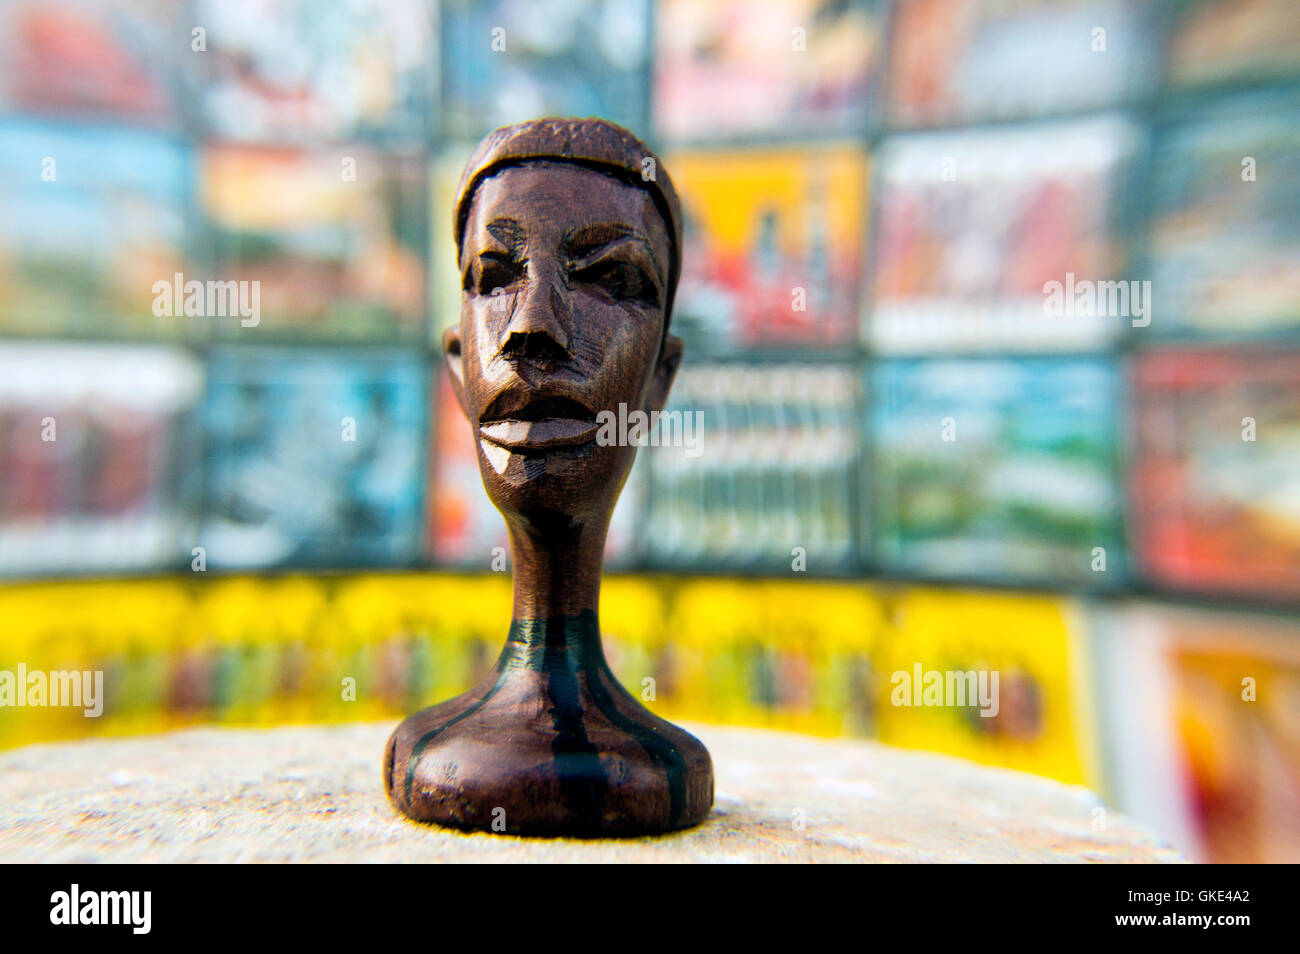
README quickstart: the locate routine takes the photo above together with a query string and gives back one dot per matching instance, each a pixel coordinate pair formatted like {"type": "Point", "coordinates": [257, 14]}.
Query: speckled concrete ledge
{"type": "Point", "coordinates": [301, 794]}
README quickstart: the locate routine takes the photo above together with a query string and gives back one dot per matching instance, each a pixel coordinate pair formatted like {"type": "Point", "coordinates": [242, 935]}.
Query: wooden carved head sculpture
{"type": "Point", "coordinates": [569, 236]}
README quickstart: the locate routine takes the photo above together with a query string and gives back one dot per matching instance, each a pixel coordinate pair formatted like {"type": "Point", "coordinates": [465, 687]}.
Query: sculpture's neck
{"type": "Point", "coordinates": [558, 644]}
{"type": "Point", "coordinates": [556, 569]}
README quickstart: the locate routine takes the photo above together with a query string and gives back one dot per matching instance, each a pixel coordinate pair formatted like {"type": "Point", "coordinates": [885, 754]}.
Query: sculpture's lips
{"type": "Point", "coordinates": [537, 424]}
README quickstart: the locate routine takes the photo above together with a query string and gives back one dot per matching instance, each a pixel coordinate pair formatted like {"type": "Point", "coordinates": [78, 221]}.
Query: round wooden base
{"type": "Point", "coordinates": [549, 744]}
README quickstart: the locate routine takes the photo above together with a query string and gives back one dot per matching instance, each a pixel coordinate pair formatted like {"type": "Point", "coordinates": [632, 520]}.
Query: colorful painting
{"type": "Point", "coordinates": [313, 458]}
{"type": "Point", "coordinates": [998, 469]}
{"type": "Point", "coordinates": [336, 240]}
{"type": "Point", "coordinates": [293, 71]}
{"type": "Point", "coordinates": [974, 225]}
{"type": "Point", "coordinates": [809, 656]}
{"type": "Point", "coordinates": [776, 69]}
{"type": "Point", "coordinates": [966, 60]}
{"type": "Point", "coordinates": [90, 218]}
{"type": "Point", "coordinates": [102, 59]}
{"type": "Point", "coordinates": [1203, 728]}
{"type": "Point", "coordinates": [1216, 489]}
{"type": "Point", "coordinates": [1226, 40]}
{"type": "Point", "coordinates": [775, 247]}
{"type": "Point", "coordinates": [1237, 711]}
{"type": "Point", "coordinates": [1028, 706]}
{"type": "Point", "coordinates": [504, 61]}
{"type": "Point", "coordinates": [1224, 236]}
{"type": "Point", "coordinates": [88, 437]}
{"type": "Point", "coordinates": [766, 475]}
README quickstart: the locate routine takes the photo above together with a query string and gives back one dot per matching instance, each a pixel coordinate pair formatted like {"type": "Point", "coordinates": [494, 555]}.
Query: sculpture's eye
{"type": "Point", "coordinates": [494, 272]}
{"type": "Point", "coordinates": [621, 280]}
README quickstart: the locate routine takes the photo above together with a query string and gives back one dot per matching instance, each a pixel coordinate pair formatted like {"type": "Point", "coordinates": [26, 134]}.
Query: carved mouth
{"type": "Point", "coordinates": [527, 424]}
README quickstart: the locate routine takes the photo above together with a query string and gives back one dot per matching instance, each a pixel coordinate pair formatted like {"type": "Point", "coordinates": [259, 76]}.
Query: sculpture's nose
{"type": "Point", "coordinates": [539, 327]}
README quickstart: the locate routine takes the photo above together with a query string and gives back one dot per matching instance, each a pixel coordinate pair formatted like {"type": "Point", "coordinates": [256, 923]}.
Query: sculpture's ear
{"type": "Point", "coordinates": [670, 358]}
{"type": "Point", "coordinates": [452, 357]}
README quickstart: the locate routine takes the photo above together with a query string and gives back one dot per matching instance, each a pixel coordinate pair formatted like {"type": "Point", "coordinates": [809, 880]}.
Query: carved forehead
{"type": "Point", "coordinates": [590, 143]}
{"type": "Point", "coordinates": [560, 198]}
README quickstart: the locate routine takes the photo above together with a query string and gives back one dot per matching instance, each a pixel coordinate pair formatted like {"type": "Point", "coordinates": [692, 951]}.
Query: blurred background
{"type": "Point", "coordinates": [905, 458]}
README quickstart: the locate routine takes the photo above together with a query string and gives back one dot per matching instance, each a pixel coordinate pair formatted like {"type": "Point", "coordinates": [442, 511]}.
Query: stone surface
{"type": "Point", "coordinates": [309, 793]}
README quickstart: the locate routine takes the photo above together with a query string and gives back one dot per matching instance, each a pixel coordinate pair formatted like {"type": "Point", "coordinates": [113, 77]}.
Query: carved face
{"type": "Point", "coordinates": [564, 274]}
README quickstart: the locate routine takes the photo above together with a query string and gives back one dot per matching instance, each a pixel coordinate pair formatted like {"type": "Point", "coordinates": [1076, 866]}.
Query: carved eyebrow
{"type": "Point", "coordinates": [509, 233]}
{"type": "Point", "coordinates": [586, 238]}
{"type": "Point", "coordinates": [589, 241]}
